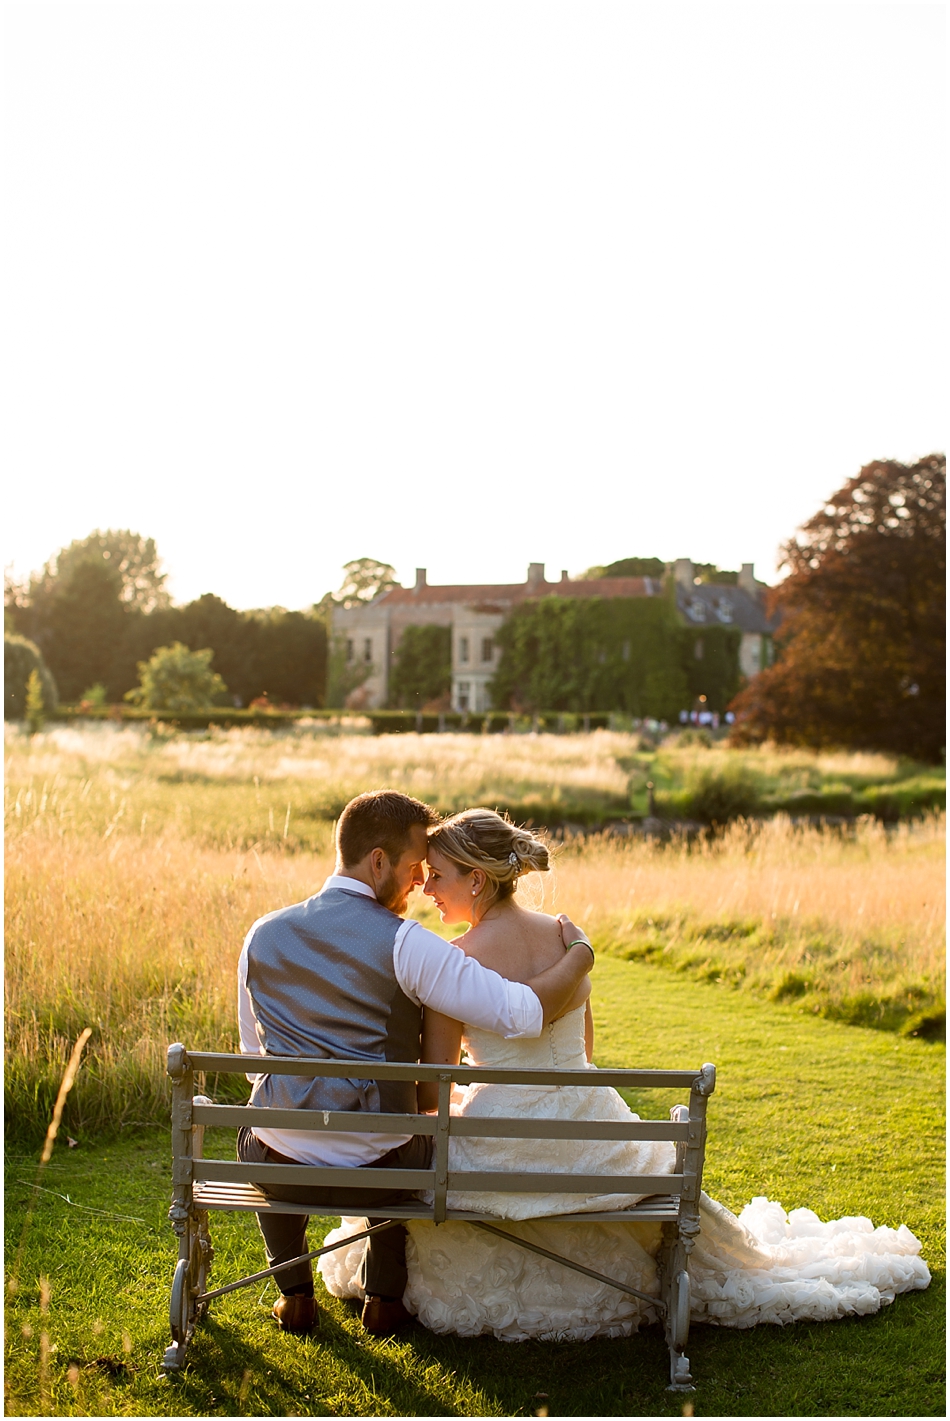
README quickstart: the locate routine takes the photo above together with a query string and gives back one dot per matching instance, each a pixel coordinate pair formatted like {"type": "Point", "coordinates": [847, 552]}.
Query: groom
{"type": "Point", "coordinates": [344, 976]}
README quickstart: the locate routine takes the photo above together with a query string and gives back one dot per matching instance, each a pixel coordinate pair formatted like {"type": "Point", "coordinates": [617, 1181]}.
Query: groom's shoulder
{"type": "Point", "coordinates": [308, 912]}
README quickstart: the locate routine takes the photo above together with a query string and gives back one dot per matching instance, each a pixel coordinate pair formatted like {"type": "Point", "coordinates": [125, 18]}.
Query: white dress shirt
{"type": "Point", "coordinates": [432, 973]}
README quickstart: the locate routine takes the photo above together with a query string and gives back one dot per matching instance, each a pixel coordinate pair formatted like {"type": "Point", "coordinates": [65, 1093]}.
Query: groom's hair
{"type": "Point", "coordinates": [380, 819]}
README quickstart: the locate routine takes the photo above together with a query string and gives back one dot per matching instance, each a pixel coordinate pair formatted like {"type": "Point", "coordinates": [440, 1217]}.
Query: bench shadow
{"type": "Point", "coordinates": [626, 1375]}
{"type": "Point", "coordinates": [222, 1352]}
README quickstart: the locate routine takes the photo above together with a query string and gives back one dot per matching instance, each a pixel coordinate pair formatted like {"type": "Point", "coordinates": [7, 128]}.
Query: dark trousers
{"type": "Point", "coordinates": [383, 1270]}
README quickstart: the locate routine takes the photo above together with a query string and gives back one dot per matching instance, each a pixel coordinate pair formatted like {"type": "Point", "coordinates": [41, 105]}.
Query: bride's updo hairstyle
{"type": "Point", "coordinates": [480, 838]}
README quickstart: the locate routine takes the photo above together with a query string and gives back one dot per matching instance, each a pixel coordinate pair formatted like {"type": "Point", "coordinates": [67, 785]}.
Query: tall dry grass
{"type": "Point", "coordinates": [134, 869]}
{"type": "Point", "coordinates": [849, 925]}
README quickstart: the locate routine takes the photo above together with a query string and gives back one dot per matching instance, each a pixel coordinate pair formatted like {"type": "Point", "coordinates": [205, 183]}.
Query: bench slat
{"type": "Point", "coordinates": [355, 1121]}
{"type": "Point", "coordinates": [324, 1177]}
{"type": "Point", "coordinates": [315, 1176]}
{"type": "Point", "coordinates": [360, 1122]}
{"type": "Point", "coordinates": [541, 1129]}
{"type": "Point", "coordinates": [245, 1198]}
{"type": "Point", "coordinates": [533, 1182]}
{"type": "Point", "coordinates": [407, 1070]}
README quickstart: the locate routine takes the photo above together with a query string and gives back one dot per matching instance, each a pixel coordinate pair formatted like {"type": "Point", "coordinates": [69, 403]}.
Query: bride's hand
{"type": "Point", "coordinates": [571, 934]}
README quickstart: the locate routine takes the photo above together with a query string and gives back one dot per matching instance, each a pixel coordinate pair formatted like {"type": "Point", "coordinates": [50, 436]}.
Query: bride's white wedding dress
{"type": "Point", "coordinates": [764, 1266]}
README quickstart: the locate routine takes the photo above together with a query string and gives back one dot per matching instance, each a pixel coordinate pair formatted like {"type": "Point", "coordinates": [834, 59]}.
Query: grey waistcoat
{"type": "Point", "coordinates": [322, 983]}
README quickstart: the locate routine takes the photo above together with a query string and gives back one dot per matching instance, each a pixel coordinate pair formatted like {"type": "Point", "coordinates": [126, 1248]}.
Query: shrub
{"type": "Point", "coordinates": [176, 678]}
{"type": "Point", "coordinates": [95, 697]}
{"type": "Point", "coordinates": [716, 795]}
{"type": "Point", "coordinates": [20, 658]}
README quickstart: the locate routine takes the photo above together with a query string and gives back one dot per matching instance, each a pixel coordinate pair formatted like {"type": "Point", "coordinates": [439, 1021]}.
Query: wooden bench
{"type": "Point", "coordinates": [201, 1185]}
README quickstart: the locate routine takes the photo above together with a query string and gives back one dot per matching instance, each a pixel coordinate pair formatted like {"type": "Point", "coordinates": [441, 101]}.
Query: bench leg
{"type": "Point", "coordinates": [674, 1290]}
{"type": "Point", "coordinates": [195, 1254]}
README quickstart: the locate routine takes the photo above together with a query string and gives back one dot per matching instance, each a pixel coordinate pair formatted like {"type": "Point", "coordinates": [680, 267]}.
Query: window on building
{"type": "Point", "coordinates": [367, 648]}
{"type": "Point", "coordinates": [349, 649]}
{"type": "Point", "coordinates": [463, 648]}
{"type": "Point", "coordinates": [488, 648]}
{"type": "Point", "coordinates": [463, 694]}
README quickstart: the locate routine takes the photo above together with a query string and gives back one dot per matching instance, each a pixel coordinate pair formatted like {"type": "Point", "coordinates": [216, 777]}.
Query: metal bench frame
{"type": "Point", "coordinates": [201, 1185]}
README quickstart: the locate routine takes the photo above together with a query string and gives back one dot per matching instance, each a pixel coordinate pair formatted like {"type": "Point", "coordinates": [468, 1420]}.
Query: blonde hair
{"type": "Point", "coordinates": [480, 838]}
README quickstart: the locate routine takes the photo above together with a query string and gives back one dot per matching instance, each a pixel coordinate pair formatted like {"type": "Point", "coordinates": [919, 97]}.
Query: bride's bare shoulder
{"type": "Point", "coordinates": [518, 943]}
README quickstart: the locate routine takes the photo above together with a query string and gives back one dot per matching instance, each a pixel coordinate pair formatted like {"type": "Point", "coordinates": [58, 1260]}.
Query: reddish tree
{"type": "Point", "coordinates": [862, 641]}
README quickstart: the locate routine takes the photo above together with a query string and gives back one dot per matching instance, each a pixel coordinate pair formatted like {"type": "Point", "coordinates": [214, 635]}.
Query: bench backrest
{"type": "Point", "coordinates": [686, 1129]}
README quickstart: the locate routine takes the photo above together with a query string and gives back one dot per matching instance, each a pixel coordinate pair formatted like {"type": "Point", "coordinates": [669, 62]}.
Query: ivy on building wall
{"type": "Point", "coordinates": [627, 654]}
{"type": "Point", "coordinates": [422, 667]}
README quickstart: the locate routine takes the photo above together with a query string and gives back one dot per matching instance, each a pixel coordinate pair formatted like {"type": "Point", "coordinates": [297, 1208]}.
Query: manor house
{"type": "Point", "coordinates": [371, 633]}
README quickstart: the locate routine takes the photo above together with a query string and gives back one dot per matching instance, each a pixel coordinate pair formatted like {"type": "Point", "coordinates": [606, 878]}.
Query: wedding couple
{"type": "Point", "coordinates": [343, 975]}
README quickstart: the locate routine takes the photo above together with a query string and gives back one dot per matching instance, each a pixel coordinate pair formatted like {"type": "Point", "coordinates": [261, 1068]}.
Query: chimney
{"type": "Point", "coordinates": [747, 579]}
{"type": "Point", "coordinates": [535, 573]}
{"type": "Point", "coordinates": [564, 576]}
{"type": "Point", "coordinates": [420, 579]}
{"type": "Point", "coordinates": [683, 571]}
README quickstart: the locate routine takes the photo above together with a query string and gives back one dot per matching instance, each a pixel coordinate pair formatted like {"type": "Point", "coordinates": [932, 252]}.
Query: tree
{"type": "Point", "coordinates": [422, 668]}
{"type": "Point", "coordinates": [629, 567]}
{"type": "Point", "coordinates": [365, 579]}
{"type": "Point", "coordinates": [717, 576]}
{"type": "Point", "coordinates": [21, 658]}
{"type": "Point", "coordinates": [177, 679]}
{"type": "Point", "coordinates": [131, 557]}
{"type": "Point", "coordinates": [85, 628]}
{"type": "Point", "coordinates": [290, 661]}
{"type": "Point", "coordinates": [862, 642]}
{"type": "Point", "coordinates": [85, 605]}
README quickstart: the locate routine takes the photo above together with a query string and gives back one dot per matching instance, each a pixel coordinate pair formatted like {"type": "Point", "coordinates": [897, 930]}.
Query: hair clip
{"type": "Point", "coordinates": [512, 858]}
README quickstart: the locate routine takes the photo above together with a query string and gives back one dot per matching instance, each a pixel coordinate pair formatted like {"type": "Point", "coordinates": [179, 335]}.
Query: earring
{"type": "Point", "coordinates": [474, 891]}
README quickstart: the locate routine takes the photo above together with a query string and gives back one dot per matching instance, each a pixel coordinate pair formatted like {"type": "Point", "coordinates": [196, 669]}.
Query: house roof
{"type": "Point", "coordinates": [501, 595]}
{"type": "Point", "coordinates": [707, 604]}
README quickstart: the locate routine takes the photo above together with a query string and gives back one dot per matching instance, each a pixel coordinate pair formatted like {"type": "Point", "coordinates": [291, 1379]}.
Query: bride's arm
{"type": "Point", "coordinates": [441, 1046]}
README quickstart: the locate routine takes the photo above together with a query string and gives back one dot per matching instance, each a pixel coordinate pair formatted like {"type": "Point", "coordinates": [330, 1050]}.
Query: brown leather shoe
{"type": "Point", "coordinates": [384, 1316]}
{"type": "Point", "coordinates": [295, 1313]}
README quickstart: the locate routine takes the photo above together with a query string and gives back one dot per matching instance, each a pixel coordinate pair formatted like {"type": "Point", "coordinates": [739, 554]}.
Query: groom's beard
{"type": "Point", "coordinates": [391, 895]}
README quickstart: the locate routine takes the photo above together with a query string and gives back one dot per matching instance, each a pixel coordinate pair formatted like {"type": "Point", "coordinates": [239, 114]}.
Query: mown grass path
{"type": "Point", "coordinates": [810, 1112]}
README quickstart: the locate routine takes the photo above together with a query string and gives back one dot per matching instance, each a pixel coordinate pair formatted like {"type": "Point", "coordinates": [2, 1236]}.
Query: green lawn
{"type": "Point", "coordinates": [839, 1118]}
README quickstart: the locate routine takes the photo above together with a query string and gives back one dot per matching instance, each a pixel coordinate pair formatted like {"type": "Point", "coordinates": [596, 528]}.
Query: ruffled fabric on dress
{"type": "Point", "coordinates": [765, 1266]}
{"type": "Point", "coordinates": [769, 1266]}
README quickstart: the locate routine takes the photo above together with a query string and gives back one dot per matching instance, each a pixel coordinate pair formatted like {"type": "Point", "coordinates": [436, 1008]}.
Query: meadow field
{"type": "Point", "coordinates": [793, 956]}
{"type": "Point", "coordinates": [136, 863]}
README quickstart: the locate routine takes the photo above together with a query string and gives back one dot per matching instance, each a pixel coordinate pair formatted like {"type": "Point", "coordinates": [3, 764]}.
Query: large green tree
{"type": "Point", "coordinates": [629, 567]}
{"type": "Point", "coordinates": [83, 607]}
{"type": "Point", "coordinates": [84, 630]}
{"type": "Point", "coordinates": [364, 579]}
{"type": "Point", "coordinates": [861, 648]}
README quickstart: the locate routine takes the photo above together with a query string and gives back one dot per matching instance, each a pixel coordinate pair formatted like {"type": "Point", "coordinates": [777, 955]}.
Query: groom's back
{"type": "Point", "coordinates": [321, 980]}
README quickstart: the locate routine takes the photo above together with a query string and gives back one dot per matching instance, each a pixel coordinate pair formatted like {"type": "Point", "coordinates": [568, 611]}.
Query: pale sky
{"type": "Point", "coordinates": [462, 286]}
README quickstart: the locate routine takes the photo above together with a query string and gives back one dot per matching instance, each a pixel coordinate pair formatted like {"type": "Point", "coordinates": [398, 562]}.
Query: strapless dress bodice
{"type": "Point", "coordinates": [561, 1044]}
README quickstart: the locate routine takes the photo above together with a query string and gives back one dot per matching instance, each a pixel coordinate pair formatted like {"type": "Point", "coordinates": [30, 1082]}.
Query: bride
{"type": "Point", "coordinates": [764, 1266]}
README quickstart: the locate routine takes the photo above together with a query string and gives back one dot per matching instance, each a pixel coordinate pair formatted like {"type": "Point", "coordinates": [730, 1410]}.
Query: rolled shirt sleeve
{"type": "Point", "coordinates": [435, 974]}
{"type": "Point", "coordinates": [247, 1025]}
